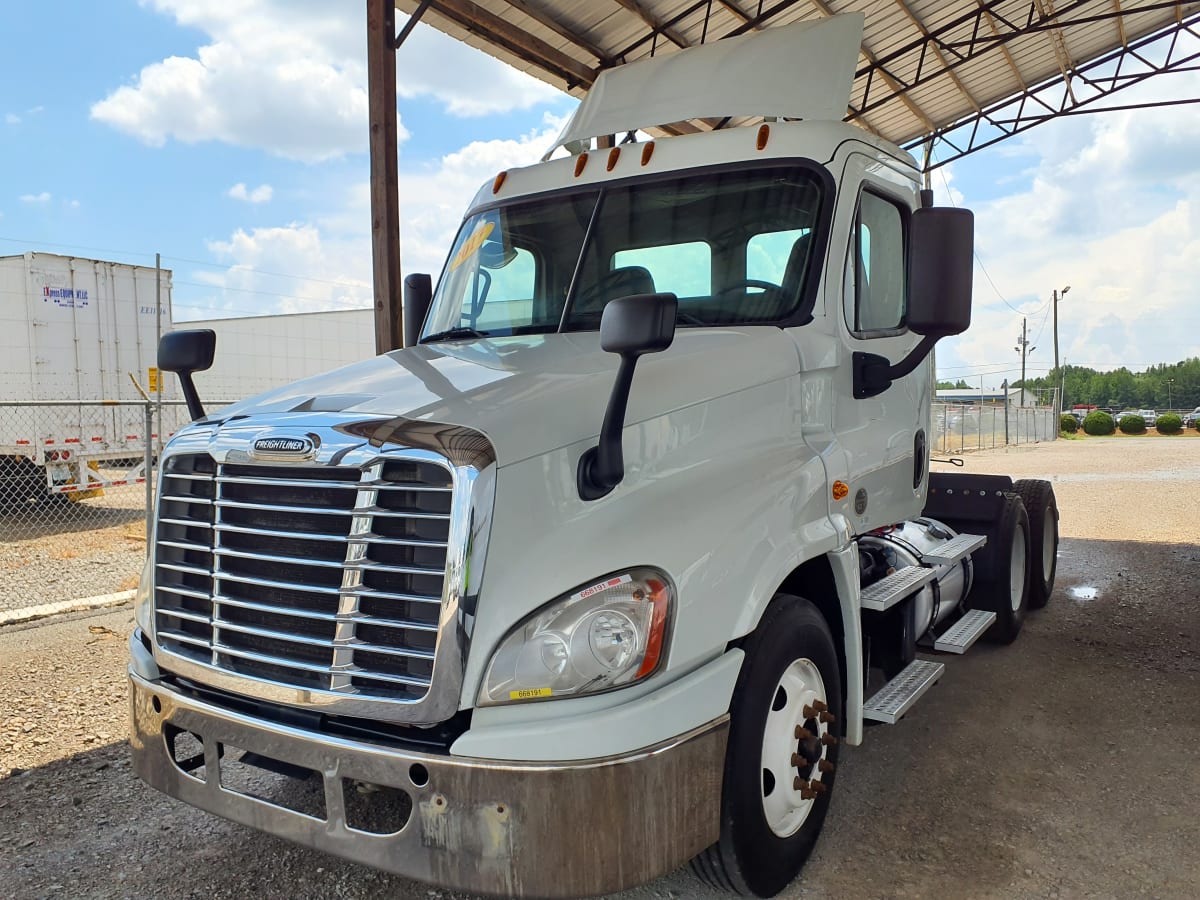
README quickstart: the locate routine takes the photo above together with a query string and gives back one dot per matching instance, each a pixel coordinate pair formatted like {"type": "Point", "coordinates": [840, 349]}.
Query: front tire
{"type": "Point", "coordinates": [781, 760]}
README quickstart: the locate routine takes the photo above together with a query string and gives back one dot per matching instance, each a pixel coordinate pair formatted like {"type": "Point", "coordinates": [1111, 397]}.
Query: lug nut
{"type": "Point", "coordinates": [797, 759]}
{"type": "Point", "coordinates": [827, 717]}
{"type": "Point", "coordinates": [808, 795]}
{"type": "Point", "coordinates": [819, 705]}
{"type": "Point", "coordinates": [818, 787]}
{"type": "Point", "coordinates": [799, 784]}
{"type": "Point", "coordinates": [825, 766]}
{"type": "Point", "coordinates": [802, 733]}
{"type": "Point", "coordinates": [810, 712]}
{"type": "Point", "coordinates": [828, 739]}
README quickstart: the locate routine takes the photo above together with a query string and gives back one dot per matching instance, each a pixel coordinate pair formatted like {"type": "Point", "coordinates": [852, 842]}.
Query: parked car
{"type": "Point", "coordinates": [1149, 415]}
{"type": "Point", "coordinates": [1190, 420]}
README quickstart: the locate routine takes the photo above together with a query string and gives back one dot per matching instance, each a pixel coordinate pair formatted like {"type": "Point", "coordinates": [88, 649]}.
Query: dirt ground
{"type": "Point", "coordinates": [1064, 766]}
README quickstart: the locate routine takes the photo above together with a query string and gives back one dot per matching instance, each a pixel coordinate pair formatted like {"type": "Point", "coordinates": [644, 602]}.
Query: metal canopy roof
{"type": "Point", "coordinates": [966, 73]}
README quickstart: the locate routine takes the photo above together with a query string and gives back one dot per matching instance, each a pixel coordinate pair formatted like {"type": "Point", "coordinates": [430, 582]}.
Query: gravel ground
{"type": "Point", "coordinates": [1064, 766]}
{"type": "Point", "coordinates": [63, 551]}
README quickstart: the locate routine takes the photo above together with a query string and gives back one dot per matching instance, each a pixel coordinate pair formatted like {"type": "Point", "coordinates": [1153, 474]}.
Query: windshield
{"type": "Point", "coordinates": [733, 246]}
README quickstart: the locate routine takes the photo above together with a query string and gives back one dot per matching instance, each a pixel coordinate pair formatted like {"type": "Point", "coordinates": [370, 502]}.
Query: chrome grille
{"type": "Point", "coordinates": [320, 577]}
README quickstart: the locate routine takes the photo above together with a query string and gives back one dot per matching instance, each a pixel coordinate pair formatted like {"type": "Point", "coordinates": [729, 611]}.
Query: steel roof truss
{"type": "Point", "coordinates": [1006, 121]}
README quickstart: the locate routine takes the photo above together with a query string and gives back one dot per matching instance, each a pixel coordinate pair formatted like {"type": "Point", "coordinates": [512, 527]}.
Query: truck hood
{"type": "Point", "coordinates": [530, 394]}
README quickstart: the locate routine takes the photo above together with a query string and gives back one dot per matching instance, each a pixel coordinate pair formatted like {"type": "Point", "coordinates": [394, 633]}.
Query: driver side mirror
{"type": "Point", "coordinates": [942, 241]}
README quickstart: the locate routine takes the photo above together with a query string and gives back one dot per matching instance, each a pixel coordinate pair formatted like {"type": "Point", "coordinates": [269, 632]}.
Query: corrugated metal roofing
{"type": "Point", "coordinates": [925, 66]}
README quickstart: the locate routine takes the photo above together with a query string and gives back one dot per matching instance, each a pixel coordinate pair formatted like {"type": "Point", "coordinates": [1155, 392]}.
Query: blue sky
{"type": "Point", "coordinates": [230, 136]}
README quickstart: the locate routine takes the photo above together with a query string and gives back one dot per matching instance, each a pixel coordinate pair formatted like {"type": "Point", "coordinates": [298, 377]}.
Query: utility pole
{"type": "Point", "coordinates": [1170, 381]}
{"type": "Point", "coordinates": [1024, 349]}
{"type": "Point", "coordinates": [1057, 294]}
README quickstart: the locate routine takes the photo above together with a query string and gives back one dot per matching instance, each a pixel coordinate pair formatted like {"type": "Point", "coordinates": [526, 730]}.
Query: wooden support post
{"type": "Point", "coordinates": [385, 200]}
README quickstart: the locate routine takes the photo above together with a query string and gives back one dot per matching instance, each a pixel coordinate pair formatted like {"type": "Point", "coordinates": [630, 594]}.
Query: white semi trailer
{"type": "Point", "coordinates": [72, 331]}
{"type": "Point", "coordinates": [533, 615]}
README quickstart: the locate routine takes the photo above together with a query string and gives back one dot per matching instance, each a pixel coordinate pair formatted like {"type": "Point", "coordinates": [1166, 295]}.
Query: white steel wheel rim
{"type": "Point", "coordinates": [783, 806]}
{"type": "Point", "coordinates": [1047, 542]}
{"type": "Point", "coordinates": [1016, 573]}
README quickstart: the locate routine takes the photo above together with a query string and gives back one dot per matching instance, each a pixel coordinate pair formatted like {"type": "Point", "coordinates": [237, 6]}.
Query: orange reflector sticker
{"type": "Point", "coordinates": [840, 490]}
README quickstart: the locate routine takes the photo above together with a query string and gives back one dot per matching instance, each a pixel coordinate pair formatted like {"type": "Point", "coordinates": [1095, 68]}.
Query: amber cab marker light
{"type": "Point", "coordinates": [764, 133]}
{"type": "Point", "coordinates": [840, 490]}
{"type": "Point", "coordinates": [499, 182]}
{"type": "Point", "coordinates": [647, 152]}
{"type": "Point", "coordinates": [613, 155]}
{"type": "Point", "coordinates": [580, 163]}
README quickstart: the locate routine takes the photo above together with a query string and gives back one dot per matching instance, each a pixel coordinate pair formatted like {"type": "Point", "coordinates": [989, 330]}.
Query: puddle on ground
{"type": "Point", "coordinates": [1082, 593]}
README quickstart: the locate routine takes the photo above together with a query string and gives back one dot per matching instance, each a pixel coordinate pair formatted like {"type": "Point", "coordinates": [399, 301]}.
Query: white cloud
{"type": "Point", "coordinates": [289, 77]}
{"type": "Point", "coordinates": [260, 194]}
{"type": "Point", "coordinates": [1111, 208]}
{"type": "Point", "coordinates": [325, 263]}
{"type": "Point", "coordinates": [43, 197]}
{"type": "Point", "coordinates": [12, 119]}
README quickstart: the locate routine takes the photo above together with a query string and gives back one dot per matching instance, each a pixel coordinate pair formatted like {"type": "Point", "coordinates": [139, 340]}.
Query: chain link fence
{"type": "Point", "coordinates": [73, 495]}
{"type": "Point", "coordinates": [964, 426]}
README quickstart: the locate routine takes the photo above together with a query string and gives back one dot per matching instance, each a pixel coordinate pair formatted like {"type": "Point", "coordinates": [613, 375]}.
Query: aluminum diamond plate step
{"type": "Point", "coordinates": [955, 549]}
{"type": "Point", "coordinates": [962, 634]}
{"type": "Point", "coordinates": [897, 697]}
{"type": "Point", "coordinates": [889, 591]}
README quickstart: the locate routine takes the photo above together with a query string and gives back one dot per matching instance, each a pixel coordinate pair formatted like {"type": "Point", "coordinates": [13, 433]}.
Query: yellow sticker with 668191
{"type": "Point", "coordinates": [529, 693]}
{"type": "Point", "coordinates": [472, 244]}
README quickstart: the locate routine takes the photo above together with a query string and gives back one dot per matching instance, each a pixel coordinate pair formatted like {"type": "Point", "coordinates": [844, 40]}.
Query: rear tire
{"type": "Point", "coordinates": [1006, 590]}
{"type": "Point", "coordinates": [1038, 497]}
{"type": "Point", "coordinates": [769, 826]}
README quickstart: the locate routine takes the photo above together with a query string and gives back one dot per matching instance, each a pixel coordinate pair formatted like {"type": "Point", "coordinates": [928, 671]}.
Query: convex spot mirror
{"type": "Point", "coordinates": [187, 351]}
{"type": "Point", "coordinates": [639, 323]}
{"type": "Point", "coordinates": [942, 242]}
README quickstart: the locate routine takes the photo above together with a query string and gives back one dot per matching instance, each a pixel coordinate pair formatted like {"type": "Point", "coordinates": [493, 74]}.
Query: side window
{"type": "Point", "coordinates": [879, 271]}
{"type": "Point", "coordinates": [684, 270]}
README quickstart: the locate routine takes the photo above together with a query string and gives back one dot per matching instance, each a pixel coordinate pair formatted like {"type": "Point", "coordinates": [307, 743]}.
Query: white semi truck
{"type": "Point", "coordinates": [601, 574]}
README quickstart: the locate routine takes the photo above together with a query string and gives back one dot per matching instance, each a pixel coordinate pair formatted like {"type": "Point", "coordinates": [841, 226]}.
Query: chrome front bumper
{"type": "Point", "coordinates": [566, 829]}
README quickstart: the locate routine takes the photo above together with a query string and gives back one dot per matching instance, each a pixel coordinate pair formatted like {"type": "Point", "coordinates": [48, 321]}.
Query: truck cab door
{"type": "Point", "coordinates": [882, 437]}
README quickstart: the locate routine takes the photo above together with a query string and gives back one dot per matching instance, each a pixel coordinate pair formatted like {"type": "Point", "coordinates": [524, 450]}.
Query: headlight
{"type": "Point", "coordinates": [143, 606]}
{"type": "Point", "coordinates": [605, 635]}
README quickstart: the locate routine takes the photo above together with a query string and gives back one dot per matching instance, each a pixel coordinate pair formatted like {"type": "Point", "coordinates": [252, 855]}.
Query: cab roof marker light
{"type": "Point", "coordinates": [764, 134]}
{"type": "Point", "coordinates": [580, 163]}
{"type": "Point", "coordinates": [613, 155]}
{"type": "Point", "coordinates": [499, 182]}
{"type": "Point", "coordinates": [647, 152]}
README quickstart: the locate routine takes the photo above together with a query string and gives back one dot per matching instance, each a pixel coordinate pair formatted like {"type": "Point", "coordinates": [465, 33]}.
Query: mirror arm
{"type": "Point", "coordinates": [873, 374]}
{"type": "Point", "coordinates": [195, 407]}
{"type": "Point", "coordinates": [602, 467]}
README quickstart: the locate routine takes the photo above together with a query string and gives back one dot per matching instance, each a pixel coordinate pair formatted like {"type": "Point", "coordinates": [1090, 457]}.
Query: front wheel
{"type": "Point", "coordinates": [781, 760]}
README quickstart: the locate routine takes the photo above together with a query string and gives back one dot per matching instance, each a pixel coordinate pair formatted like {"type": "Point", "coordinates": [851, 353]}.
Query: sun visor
{"type": "Point", "coordinates": [799, 71]}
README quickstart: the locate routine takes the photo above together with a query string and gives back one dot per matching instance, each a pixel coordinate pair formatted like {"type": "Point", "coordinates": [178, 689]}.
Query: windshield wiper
{"type": "Point", "coordinates": [453, 334]}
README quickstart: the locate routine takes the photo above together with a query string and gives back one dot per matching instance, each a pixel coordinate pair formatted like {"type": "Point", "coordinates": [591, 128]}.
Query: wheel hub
{"type": "Point", "coordinates": [796, 741]}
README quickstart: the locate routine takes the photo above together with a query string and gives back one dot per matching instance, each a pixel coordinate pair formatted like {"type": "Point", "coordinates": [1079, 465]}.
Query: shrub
{"type": "Point", "coordinates": [1099, 423]}
{"type": "Point", "coordinates": [1132, 425]}
{"type": "Point", "coordinates": [1169, 423]}
{"type": "Point", "coordinates": [1068, 423]}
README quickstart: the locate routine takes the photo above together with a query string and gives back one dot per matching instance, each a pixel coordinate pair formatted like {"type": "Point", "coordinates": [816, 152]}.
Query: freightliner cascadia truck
{"type": "Point", "coordinates": [601, 574]}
